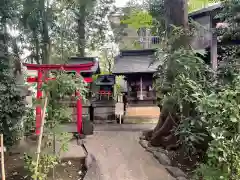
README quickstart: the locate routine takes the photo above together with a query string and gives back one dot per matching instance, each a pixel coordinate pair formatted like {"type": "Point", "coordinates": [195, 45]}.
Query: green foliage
{"type": "Point", "coordinates": [36, 22]}
{"type": "Point", "coordinates": [206, 105]}
{"type": "Point", "coordinates": [139, 19]}
{"type": "Point", "coordinates": [156, 10]}
{"type": "Point", "coordinates": [64, 86]}
{"type": "Point", "coordinates": [46, 163]}
{"type": "Point", "coordinates": [118, 86]}
{"type": "Point", "coordinates": [229, 15]}
{"type": "Point", "coordinates": [221, 112]}
{"type": "Point", "coordinates": [29, 121]}
{"type": "Point", "coordinates": [88, 21]}
{"type": "Point", "coordinates": [194, 5]}
{"type": "Point", "coordinates": [107, 59]}
{"type": "Point", "coordinates": [12, 106]}
{"type": "Point", "coordinates": [209, 173]}
{"type": "Point", "coordinates": [220, 109]}
{"type": "Point", "coordinates": [181, 75]}
{"type": "Point", "coordinates": [48, 29]}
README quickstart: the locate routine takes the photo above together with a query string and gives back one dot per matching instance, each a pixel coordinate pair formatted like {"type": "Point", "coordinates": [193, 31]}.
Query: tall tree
{"type": "Point", "coordinates": [156, 9]}
{"type": "Point", "coordinates": [176, 13]}
{"type": "Point", "coordinates": [38, 20]}
{"type": "Point", "coordinates": [9, 14]}
{"type": "Point", "coordinates": [12, 103]}
{"type": "Point", "coordinates": [90, 17]}
{"type": "Point", "coordinates": [176, 16]}
{"type": "Point", "coordinates": [179, 67]}
{"type": "Point", "coordinates": [82, 11]}
{"type": "Point", "coordinates": [107, 58]}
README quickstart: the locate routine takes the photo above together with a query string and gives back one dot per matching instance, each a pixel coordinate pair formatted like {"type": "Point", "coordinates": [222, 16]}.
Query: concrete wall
{"type": "Point", "coordinates": [104, 113]}
{"type": "Point", "coordinates": [149, 114]}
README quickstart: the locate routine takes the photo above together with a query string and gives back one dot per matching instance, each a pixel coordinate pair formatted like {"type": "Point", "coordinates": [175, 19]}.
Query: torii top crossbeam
{"type": "Point", "coordinates": [41, 69]}
{"type": "Point", "coordinates": [66, 67]}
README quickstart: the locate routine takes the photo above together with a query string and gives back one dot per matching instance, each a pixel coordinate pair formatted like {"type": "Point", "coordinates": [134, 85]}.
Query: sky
{"type": "Point", "coordinates": [121, 3]}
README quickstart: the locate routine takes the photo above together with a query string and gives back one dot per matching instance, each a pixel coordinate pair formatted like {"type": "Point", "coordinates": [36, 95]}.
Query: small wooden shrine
{"type": "Point", "coordinates": [106, 87]}
{"type": "Point", "coordinates": [137, 68]}
{"type": "Point", "coordinates": [104, 103]}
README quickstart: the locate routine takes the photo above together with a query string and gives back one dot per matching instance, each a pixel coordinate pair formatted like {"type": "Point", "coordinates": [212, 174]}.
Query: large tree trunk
{"type": "Point", "coordinates": [37, 47]}
{"type": "Point", "coordinates": [163, 134]}
{"type": "Point", "coordinates": [45, 34]}
{"type": "Point", "coordinates": [3, 53]}
{"type": "Point", "coordinates": [176, 13]}
{"type": "Point", "coordinates": [3, 44]}
{"type": "Point", "coordinates": [3, 31]}
{"type": "Point", "coordinates": [81, 30]}
{"type": "Point", "coordinates": [17, 61]}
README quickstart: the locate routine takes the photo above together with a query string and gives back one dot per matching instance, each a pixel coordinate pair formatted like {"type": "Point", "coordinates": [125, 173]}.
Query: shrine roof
{"type": "Point", "coordinates": [105, 80]}
{"type": "Point", "coordinates": [135, 61]}
{"type": "Point", "coordinates": [84, 60]}
{"type": "Point", "coordinates": [205, 11]}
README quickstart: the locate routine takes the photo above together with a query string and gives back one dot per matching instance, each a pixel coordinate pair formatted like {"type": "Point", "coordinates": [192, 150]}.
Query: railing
{"type": "Point", "coordinates": [136, 42]}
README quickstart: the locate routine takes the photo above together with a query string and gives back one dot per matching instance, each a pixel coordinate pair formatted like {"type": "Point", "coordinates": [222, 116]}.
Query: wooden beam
{"type": "Point", "coordinates": [34, 79]}
{"type": "Point", "coordinates": [67, 67]}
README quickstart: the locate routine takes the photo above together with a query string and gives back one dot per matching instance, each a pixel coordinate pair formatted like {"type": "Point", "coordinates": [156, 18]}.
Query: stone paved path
{"type": "Point", "coordinates": [119, 155]}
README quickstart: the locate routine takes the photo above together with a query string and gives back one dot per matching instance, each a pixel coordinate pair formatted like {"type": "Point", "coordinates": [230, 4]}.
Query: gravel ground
{"type": "Point", "coordinates": [119, 155]}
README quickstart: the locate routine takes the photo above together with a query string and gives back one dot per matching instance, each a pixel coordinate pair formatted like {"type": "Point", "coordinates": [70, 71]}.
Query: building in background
{"type": "Point", "coordinates": [128, 37]}
{"type": "Point", "coordinates": [136, 67]}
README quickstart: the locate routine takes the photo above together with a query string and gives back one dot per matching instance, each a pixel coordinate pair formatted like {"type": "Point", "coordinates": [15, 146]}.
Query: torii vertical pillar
{"type": "Point", "coordinates": [79, 109]}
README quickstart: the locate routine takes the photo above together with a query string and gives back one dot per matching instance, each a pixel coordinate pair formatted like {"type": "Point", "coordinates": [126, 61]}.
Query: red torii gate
{"type": "Point", "coordinates": [41, 69]}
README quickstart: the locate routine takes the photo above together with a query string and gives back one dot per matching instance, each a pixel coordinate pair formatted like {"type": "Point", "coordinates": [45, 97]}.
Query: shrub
{"type": "Point", "coordinates": [12, 106]}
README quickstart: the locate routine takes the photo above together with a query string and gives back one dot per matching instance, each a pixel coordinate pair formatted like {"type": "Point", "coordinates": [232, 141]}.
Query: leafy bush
{"type": "Point", "coordinates": [220, 109]}
{"type": "Point", "coordinates": [221, 112]}
{"type": "Point", "coordinates": [12, 106]}
{"type": "Point", "coordinates": [29, 121]}
{"type": "Point", "coordinates": [206, 103]}
{"type": "Point", "coordinates": [181, 75]}
{"type": "Point", "coordinates": [209, 173]}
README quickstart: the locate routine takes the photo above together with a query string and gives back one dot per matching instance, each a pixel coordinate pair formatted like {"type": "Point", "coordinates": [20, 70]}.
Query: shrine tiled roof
{"type": "Point", "coordinates": [83, 60]}
{"type": "Point", "coordinates": [135, 61]}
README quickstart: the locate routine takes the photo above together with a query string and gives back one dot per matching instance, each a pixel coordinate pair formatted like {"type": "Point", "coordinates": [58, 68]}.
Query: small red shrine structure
{"type": "Point", "coordinates": [42, 69]}
{"type": "Point", "coordinates": [106, 86]}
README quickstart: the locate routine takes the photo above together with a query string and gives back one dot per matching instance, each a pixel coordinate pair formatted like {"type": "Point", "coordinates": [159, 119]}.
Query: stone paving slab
{"type": "Point", "coordinates": [120, 157]}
